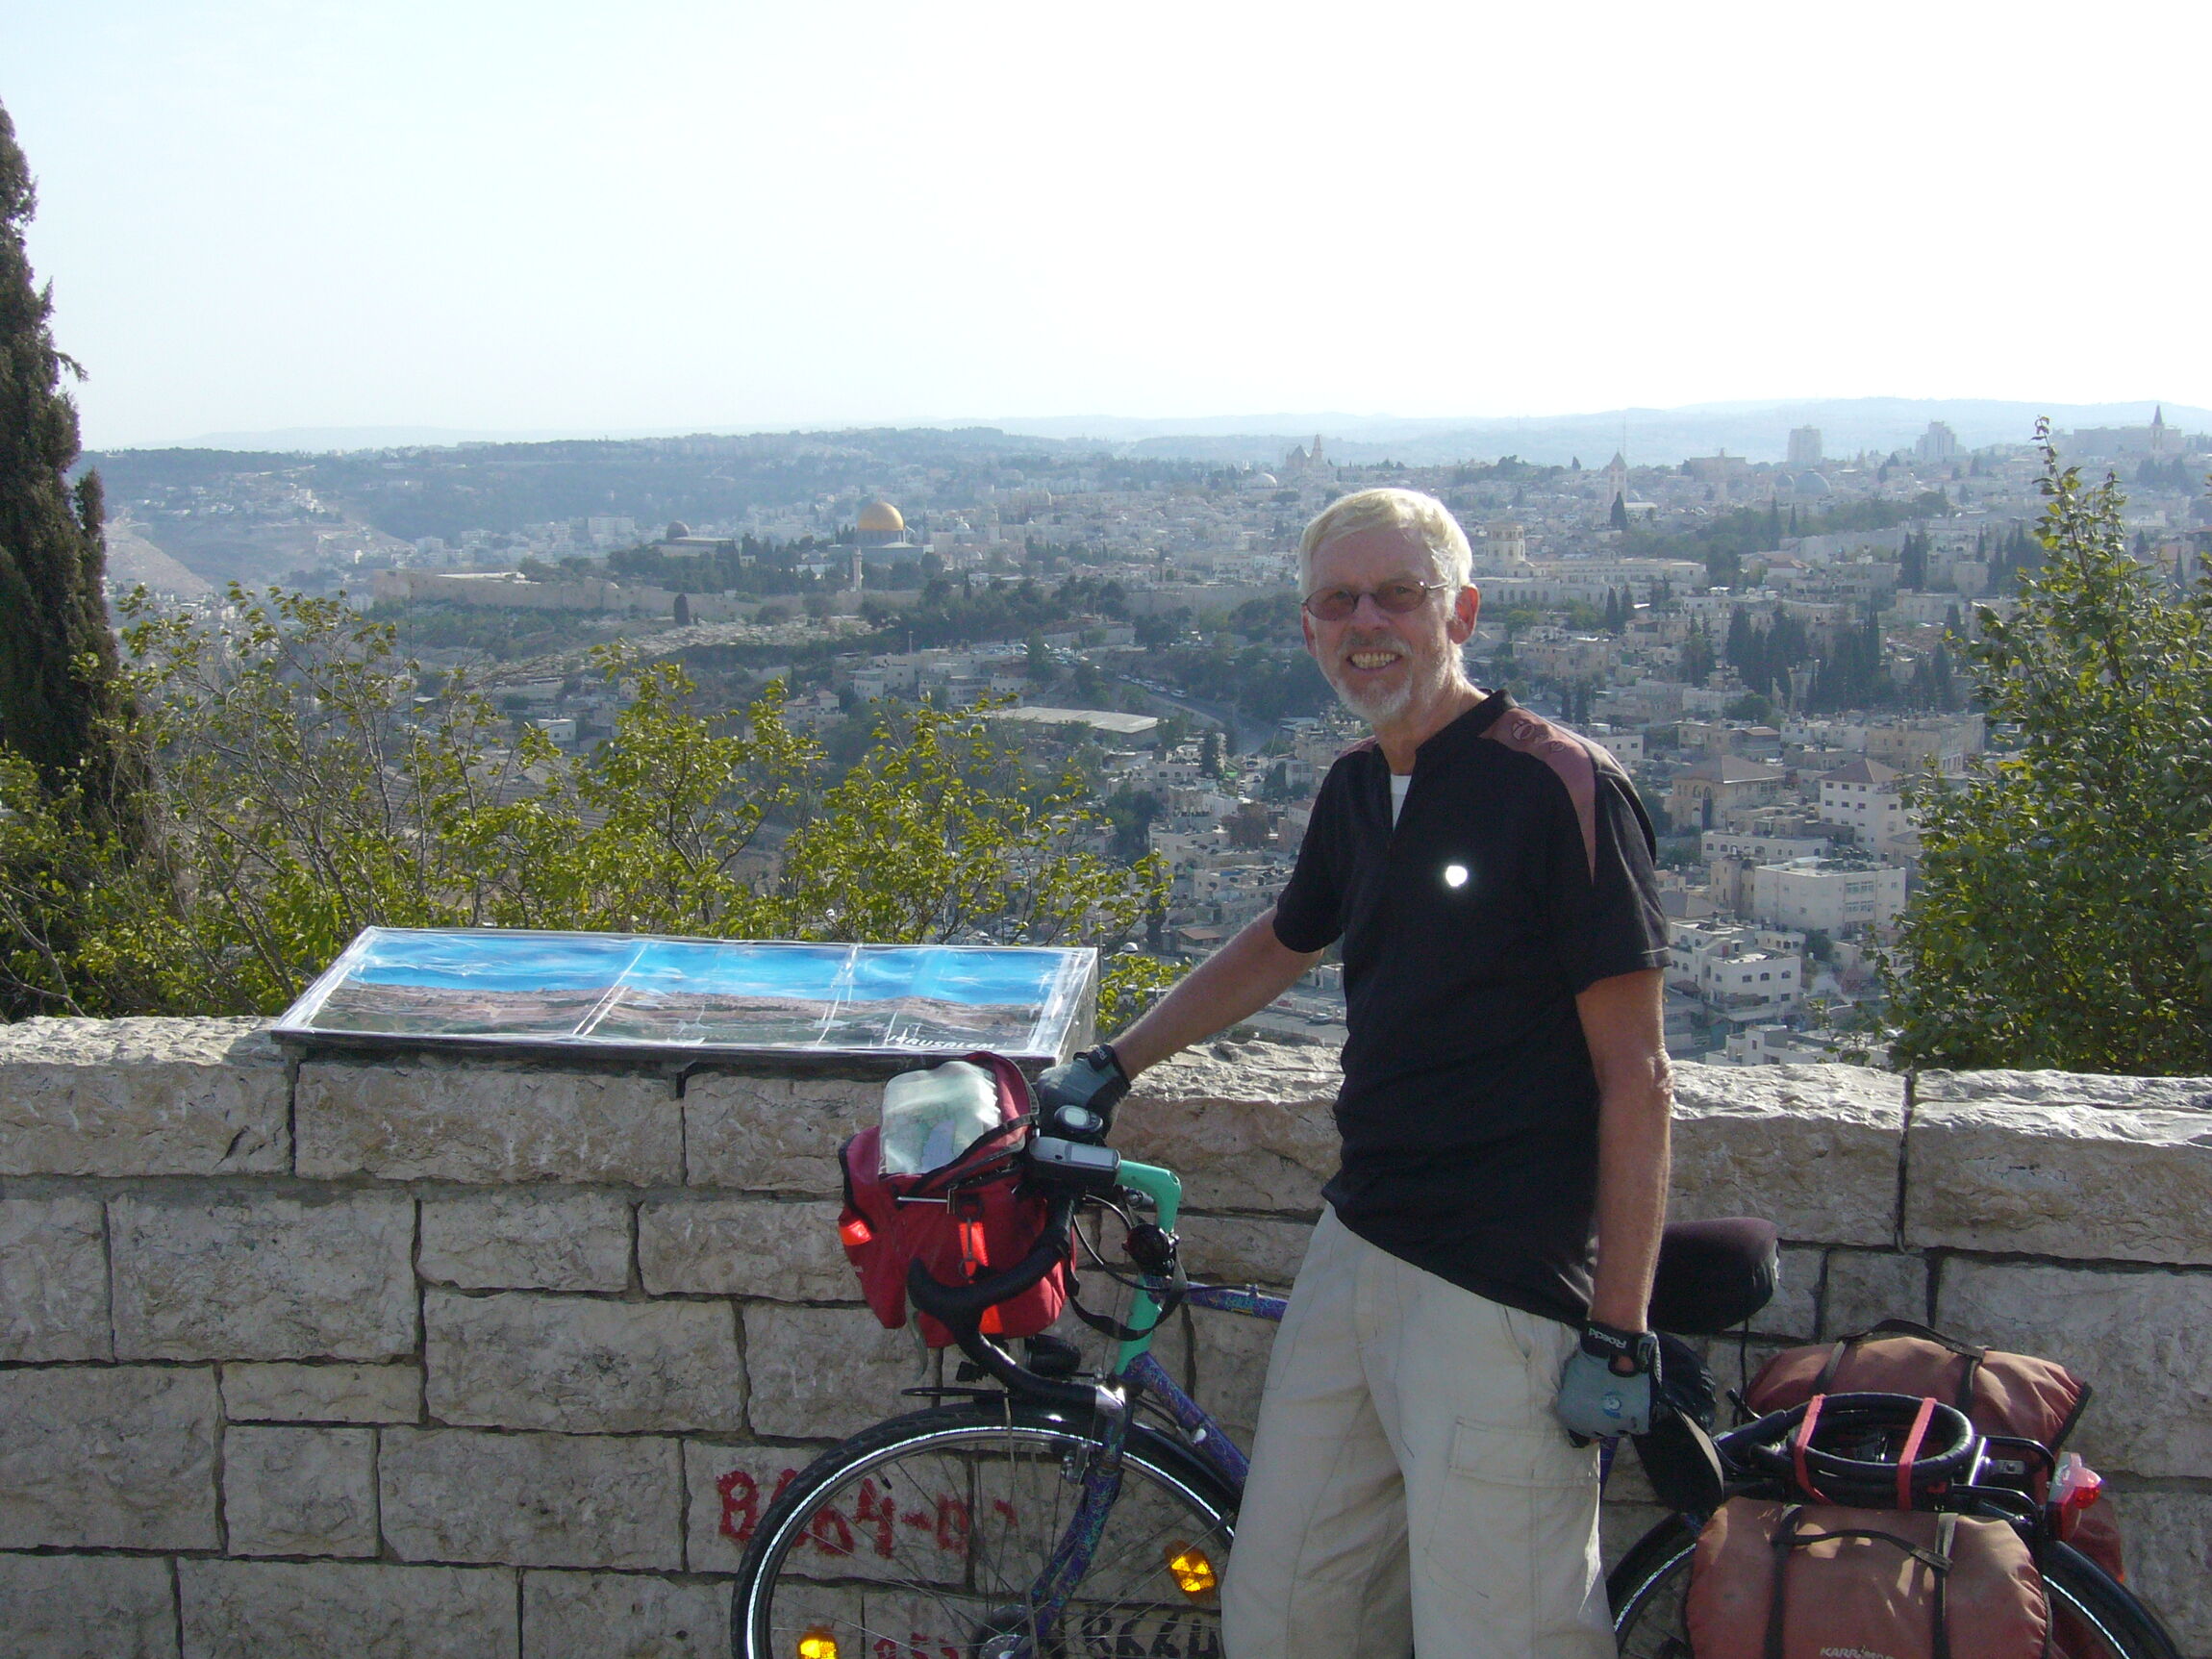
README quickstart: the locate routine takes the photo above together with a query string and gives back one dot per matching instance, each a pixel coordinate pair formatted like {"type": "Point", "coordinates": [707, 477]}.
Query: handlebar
{"type": "Point", "coordinates": [960, 1309]}
{"type": "Point", "coordinates": [1941, 1453]}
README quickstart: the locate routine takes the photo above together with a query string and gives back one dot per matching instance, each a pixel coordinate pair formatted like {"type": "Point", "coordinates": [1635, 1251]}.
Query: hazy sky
{"type": "Point", "coordinates": [261, 215]}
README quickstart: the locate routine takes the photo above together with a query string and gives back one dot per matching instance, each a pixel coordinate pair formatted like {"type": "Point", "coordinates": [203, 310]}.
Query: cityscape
{"type": "Point", "coordinates": [1769, 647]}
{"type": "Point", "coordinates": [591, 595]}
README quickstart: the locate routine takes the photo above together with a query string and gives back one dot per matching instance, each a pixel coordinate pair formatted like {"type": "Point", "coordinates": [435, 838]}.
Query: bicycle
{"type": "Point", "coordinates": [1054, 1516]}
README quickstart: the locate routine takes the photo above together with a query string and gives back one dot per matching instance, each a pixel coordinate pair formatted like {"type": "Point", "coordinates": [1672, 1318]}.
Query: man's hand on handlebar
{"type": "Point", "coordinates": [1607, 1386]}
{"type": "Point", "coordinates": [1076, 1099]}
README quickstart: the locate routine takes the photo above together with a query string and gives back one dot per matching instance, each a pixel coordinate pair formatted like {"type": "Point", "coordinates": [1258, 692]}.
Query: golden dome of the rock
{"type": "Point", "coordinates": [881, 515]}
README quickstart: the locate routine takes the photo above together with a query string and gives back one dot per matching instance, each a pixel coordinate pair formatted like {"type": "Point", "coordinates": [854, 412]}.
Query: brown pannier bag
{"type": "Point", "coordinates": [1818, 1581]}
{"type": "Point", "coordinates": [2004, 1394]}
{"type": "Point", "coordinates": [2001, 1393]}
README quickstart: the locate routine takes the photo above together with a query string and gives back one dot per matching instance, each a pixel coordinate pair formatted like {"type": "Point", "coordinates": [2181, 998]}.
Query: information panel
{"type": "Point", "coordinates": [523, 988]}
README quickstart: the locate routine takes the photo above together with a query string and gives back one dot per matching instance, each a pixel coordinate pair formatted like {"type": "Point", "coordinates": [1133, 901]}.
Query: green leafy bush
{"type": "Point", "coordinates": [2063, 915]}
{"type": "Point", "coordinates": [307, 785]}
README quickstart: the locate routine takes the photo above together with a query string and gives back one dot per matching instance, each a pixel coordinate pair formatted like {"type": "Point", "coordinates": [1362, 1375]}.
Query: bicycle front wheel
{"type": "Point", "coordinates": [2091, 1617]}
{"type": "Point", "coordinates": [933, 1534]}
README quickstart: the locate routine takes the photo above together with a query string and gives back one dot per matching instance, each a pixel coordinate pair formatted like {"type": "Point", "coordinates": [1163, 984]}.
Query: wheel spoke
{"type": "Point", "coordinates": [951, 1589]}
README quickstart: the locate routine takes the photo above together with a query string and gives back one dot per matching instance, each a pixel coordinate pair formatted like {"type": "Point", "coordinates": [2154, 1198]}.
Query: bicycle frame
{"type": "Point", "coordinates": [1135, 1365]}
{"type": "Point", "coordinates": [1135, 1362]}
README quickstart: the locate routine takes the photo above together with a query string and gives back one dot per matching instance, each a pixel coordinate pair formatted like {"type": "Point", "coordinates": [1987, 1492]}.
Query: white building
{"type": "Point", "coordinates": [1505, 547]}
{"type": "Point", "coordinates": [1832, 896]}
{"type": "Point", "coordinates": [1773, 1046]}
{"type": "Point", "coordinates": [1937, 444]}
{"type": "Point", "coordinates": [1741, 973]}
{"type": "Point", "coordinates": [1865, 795]}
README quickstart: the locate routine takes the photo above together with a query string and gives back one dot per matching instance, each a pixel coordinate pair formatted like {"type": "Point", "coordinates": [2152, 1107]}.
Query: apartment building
{"type": "Point", "coordinates": [1834, 896]}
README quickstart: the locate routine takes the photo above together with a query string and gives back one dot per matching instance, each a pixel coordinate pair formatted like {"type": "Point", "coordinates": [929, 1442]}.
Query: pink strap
{"type": "Point", "coordinates": [1912, 1450]}
{"type": "Point", "coordinates": [1802, 1442]}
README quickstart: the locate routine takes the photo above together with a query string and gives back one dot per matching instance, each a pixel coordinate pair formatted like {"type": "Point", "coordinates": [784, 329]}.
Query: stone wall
{"type": "Point", "coordinates": [424, 1357]}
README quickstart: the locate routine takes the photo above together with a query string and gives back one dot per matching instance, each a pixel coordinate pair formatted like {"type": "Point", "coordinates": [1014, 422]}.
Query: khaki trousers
{"type": "Point", "coordinates": [1410, 1486]}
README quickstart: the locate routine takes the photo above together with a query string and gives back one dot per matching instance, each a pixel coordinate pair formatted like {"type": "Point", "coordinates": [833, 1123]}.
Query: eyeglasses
{"type": "Point", "coordinates": [1336, 604]}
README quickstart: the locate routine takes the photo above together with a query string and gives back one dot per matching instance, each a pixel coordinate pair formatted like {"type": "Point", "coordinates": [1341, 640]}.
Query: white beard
{"type": "Point", "coordinates": [1377, 706]}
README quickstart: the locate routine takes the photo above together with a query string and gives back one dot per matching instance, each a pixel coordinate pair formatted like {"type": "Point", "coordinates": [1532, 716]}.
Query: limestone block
{"type": "Point", "coordinates": [116, 1457]}
{"type": "Point", "coordinates": [53, 1280]}
{"type": "Point", "coordinates": [532, 1500]}
{"type": "Point", "coordinates": [528, 1239]}
{"type": "Point", "coordinates": [141, 1097]}
{"type": "Point", "coordinates": [726, 1490]}
{"type": "Point", "coordinates": [67, 1606]}
{"type": "Point", "coordinates": [1242, 1249]}
{"type": "Point", "coordinates": [1248, 1126]}
{"type": "Point", "coordinates": [251, 1277]}
{"type": "Point", "coordinates": [824, 1372]}
{"type": "Point", "coordinates": [622, 1616]}
{"type": "Point", "coordinates": [1791, 1311]}
{"type": "Point", "coordinates": [433, 1119]}
{"type": "Point", "coordinates": [2169, 1550]}
{"type": "Point", "coordinates": [2139, 1339]}
{"type": "Point", "coordinates": [743, 1246]}
{"type": "Point", "coordinates": [1866, 1287]}
{"type": "Point", "coordinates": [322, 1393]}
{"type": "Point", "coordinates": [300, 1491]}
{"type": "Point", "coordinates": [282, 1610]}
{"type": "Point", "coordinates": [1813, 1148]}
{"type": "Point", "coordinates": [2064, 1088]}
{"type": "Point", "coordinates": [762, 1134]}
{"type": "Point", "coordinates": [1232, 1361]}
{"type": "Point", "coordinates": [2057, 1178]}
{"type": "Point", "coordinates": [1734, 1363]}
{"type": "Point", "coordinates": [519, 1360]}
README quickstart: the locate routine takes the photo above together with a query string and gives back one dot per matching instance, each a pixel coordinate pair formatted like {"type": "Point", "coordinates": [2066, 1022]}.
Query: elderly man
{"type": "Point", "coordinates": [1471, 1311]}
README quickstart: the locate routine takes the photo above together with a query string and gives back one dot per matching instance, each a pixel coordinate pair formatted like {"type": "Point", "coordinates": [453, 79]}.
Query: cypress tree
{"type": "Point", "coordinates": [58, 664]}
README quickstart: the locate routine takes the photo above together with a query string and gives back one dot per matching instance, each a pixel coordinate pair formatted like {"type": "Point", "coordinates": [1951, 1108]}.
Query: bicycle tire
{"type": "Point", "coordinates": [2092, 1617]}
{"type": "Point", "coordinates": [877, 1543]}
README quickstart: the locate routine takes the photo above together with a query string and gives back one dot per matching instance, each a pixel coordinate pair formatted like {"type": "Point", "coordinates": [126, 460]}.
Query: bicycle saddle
{"type": "Point", "coordinates": [1714, 1275]}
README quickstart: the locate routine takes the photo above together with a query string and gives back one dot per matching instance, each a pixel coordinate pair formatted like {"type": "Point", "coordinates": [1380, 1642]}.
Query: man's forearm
{"type": "Point", "coordinates": [1623, 1025]}
{"type": "Point", "coordinates": [1632, 1169]}
{"type": "Point", "coordinates": [1239, 979]}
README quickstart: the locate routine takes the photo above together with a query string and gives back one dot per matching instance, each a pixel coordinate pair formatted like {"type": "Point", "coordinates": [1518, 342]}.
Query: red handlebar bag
{"type": "Point", "coordinates": [964, 1221]}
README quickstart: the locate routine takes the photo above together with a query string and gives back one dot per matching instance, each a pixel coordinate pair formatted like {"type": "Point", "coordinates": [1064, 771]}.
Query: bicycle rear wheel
{"type": "Point", "coordinates": [1645, 1593]}
{"type": "Point", "coordinates": [930, 1533]}
{"type": "Point", "coordinates": [2091, 1617]}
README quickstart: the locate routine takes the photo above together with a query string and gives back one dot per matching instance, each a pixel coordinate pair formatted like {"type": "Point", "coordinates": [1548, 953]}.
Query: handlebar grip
{"type": "Point", "coordinates": [961, 1307]}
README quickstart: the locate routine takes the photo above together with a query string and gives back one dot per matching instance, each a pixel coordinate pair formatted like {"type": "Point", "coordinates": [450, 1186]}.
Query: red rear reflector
{"type": "Point", "coordinates": [855, 1232]}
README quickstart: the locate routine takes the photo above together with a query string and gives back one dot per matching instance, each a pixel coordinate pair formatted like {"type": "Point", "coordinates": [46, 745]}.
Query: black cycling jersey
{"type": "Point", "coordinates": [1518, 874]}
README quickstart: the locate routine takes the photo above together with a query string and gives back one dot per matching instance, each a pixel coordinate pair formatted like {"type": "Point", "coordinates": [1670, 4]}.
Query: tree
{"type": "Point", "coordinates": [2064, 912]}
{"type": "Point", "coordinates": [306, 793]}
{"type": "Point", "coordinates": [58, 706]}
{"type": "Point", "coordinates": [1249, 827]}
{"type": "Point", "coordinates": [1620, 513]}
{"type": "Point", "coordinates": [1697, 656]}
{"type": "Point", "coordinates": [1913, 561]}
{"type": "Point", "coordinates": [1210, 752]}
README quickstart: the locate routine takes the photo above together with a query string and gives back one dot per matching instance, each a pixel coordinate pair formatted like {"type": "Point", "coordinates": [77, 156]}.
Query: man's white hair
{"type": "Point", "coordinates": [1449, 556]}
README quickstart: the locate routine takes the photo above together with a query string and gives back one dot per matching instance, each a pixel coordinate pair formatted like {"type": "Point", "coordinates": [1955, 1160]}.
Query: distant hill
{"type": "Point", "coordinates": [1756, 431]}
